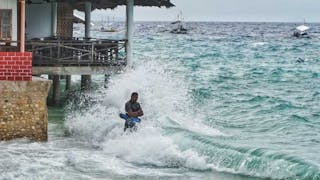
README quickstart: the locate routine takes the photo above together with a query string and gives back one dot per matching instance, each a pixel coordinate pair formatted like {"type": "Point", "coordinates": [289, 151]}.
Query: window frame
{"type": "Point", "coordinates": [8, 37]}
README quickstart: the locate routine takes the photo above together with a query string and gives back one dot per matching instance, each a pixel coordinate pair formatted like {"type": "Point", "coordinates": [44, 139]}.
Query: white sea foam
{"type": "Point", "coordinates": [257, 44]}
{"type": "Point", "coordinates": [166, 103]}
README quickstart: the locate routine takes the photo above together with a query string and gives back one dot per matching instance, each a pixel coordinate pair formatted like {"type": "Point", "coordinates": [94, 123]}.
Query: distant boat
{"type": "Point", "coordinates": [301, 31]}
{"type": "Point", "coordinates": [180, 29]}
{"type": "Point", "coordinates": [106, 29]}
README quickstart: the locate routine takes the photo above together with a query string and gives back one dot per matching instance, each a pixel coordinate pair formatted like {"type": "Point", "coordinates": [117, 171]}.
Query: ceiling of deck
{"type": "Point", "coordinates": [111, 4]}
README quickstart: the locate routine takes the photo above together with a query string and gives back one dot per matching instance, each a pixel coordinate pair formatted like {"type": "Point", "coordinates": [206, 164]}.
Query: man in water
{"type": "Point", "coordinates": [133, 110]}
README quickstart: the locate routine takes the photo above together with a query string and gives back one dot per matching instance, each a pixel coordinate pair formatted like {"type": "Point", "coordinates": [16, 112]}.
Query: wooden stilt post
{"type": "Point", "coordinates": [86, 79]}
{"type": "Point", "coordinates": [85, 82]}
{"type": "Point", "coordinates": [54, 18]}
{"type": "Point", "coordinates": [56, 90]}
{"type": "Point", "coordinates": [68, 82]}
{"type": "Point", "coordinates": [129, 34]}
{"type": "Point", "coordinates": [88, 7]}
{"type": "Point", "coordinates": [106, 80]}
{"type": "Point", "coordinates": [50, 96]}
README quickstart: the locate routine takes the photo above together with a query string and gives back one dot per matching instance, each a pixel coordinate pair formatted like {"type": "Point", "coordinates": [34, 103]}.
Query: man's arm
{"type": "Point", "coordinates": [140, 112]}
{"type": "Point", "coordinates": [135, 114]}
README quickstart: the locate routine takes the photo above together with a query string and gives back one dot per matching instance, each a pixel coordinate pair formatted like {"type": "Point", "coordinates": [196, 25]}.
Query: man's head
{"type": "Point", "coordinates": [134, 97]}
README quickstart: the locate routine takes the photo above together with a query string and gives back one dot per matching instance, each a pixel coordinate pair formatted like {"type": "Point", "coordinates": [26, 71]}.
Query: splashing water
{"type": "Point", "coordinates": [164, 105]}
{"type": "Point", "coordinates": [223, 102]}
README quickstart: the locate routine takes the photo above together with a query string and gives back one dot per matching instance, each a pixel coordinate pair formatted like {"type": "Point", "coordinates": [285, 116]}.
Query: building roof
{"type": "Point", "coordinates": [79, 19]}
{"type": "Point", "coordinates": [111, 4]}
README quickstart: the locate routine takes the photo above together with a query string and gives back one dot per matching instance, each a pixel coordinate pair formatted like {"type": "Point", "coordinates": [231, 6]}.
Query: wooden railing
{"type": "Point", "coordinates": [77, 52]}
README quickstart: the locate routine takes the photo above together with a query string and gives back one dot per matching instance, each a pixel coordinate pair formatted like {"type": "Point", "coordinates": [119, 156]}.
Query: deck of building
{"type": "Point", "coordinates": [76, 56]}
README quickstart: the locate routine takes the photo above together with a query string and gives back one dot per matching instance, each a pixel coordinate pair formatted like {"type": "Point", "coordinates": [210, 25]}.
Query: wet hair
{"type": "Point", "coordinates": [134, 94]}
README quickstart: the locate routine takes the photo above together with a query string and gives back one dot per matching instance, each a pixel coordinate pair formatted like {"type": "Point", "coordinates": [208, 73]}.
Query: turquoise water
{"type": "Point", "coordinates": [226, 101]}
{"type": "Point", "coordinates": [245, 81]}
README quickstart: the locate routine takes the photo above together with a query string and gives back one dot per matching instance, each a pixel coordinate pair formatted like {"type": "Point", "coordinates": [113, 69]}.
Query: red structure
{"type": "Point", "coordinates": [16, 66]}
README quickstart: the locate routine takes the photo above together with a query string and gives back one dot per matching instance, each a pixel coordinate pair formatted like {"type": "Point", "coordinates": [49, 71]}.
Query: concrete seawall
{"type": "Point", "coordinates": [23, 109]}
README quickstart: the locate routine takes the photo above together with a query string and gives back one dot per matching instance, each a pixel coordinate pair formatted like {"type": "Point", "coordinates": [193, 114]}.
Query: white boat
{"type": "Point", "coordinates": [111, 29]}
{"type": "Point", "coordinates": [301, 31]}
{"type": "Point", "coordinates": [108, 30]}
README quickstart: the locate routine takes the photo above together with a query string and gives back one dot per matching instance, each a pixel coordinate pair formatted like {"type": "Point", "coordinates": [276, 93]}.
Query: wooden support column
{"type": "Point", "coordinates": [54, 18]}
{"type": "Point", "coordinates": [86, 79]}
{"type": "Point", "coordinates": [106, 80]}
{"type": "Point", "coordinates": [85, 82]}
{"type": "Point", "coordinates": [129, 34]}
{"type": "Point", "coordinates": [22, 24]}
{"type": "Point", "coordinates": [88, 7]}
{"type": "Point", "coordinates": [68, 82]}
{"type": "Point", "coordinates": [56, 90]}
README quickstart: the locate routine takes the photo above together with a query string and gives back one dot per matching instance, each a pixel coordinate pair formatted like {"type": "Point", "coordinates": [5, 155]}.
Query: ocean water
{"type": "Point", "coordinates": [225, 101]}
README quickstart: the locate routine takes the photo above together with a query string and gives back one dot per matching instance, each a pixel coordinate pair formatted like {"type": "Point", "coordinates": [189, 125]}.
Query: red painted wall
{"type": "Point", "coordinates": [16, 66]}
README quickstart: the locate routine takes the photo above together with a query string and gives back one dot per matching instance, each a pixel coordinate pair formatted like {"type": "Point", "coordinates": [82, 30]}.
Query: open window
{"type": "Point", "coordinates": [5, 24]}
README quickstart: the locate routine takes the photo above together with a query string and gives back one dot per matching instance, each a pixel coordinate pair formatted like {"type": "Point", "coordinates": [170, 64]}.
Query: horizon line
{"type": "Point", "coordinates": [220, 21]}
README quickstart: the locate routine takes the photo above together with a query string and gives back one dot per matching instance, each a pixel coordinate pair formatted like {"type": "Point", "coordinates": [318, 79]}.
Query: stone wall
{"type": "Point", "coordinates": [23, 109]}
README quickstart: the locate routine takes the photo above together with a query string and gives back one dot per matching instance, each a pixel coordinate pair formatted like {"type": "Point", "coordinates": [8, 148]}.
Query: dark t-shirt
{"type": "Point", "coordinates": [132, 106]}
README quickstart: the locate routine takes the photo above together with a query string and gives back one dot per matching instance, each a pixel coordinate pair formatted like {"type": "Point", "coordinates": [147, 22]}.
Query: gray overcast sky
{"type": "Point", "coordinates": [226, 10]}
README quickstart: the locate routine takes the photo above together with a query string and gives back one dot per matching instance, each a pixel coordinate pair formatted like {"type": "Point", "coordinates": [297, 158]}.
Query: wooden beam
{"type": "Point", "coordinates": [76, 70]}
